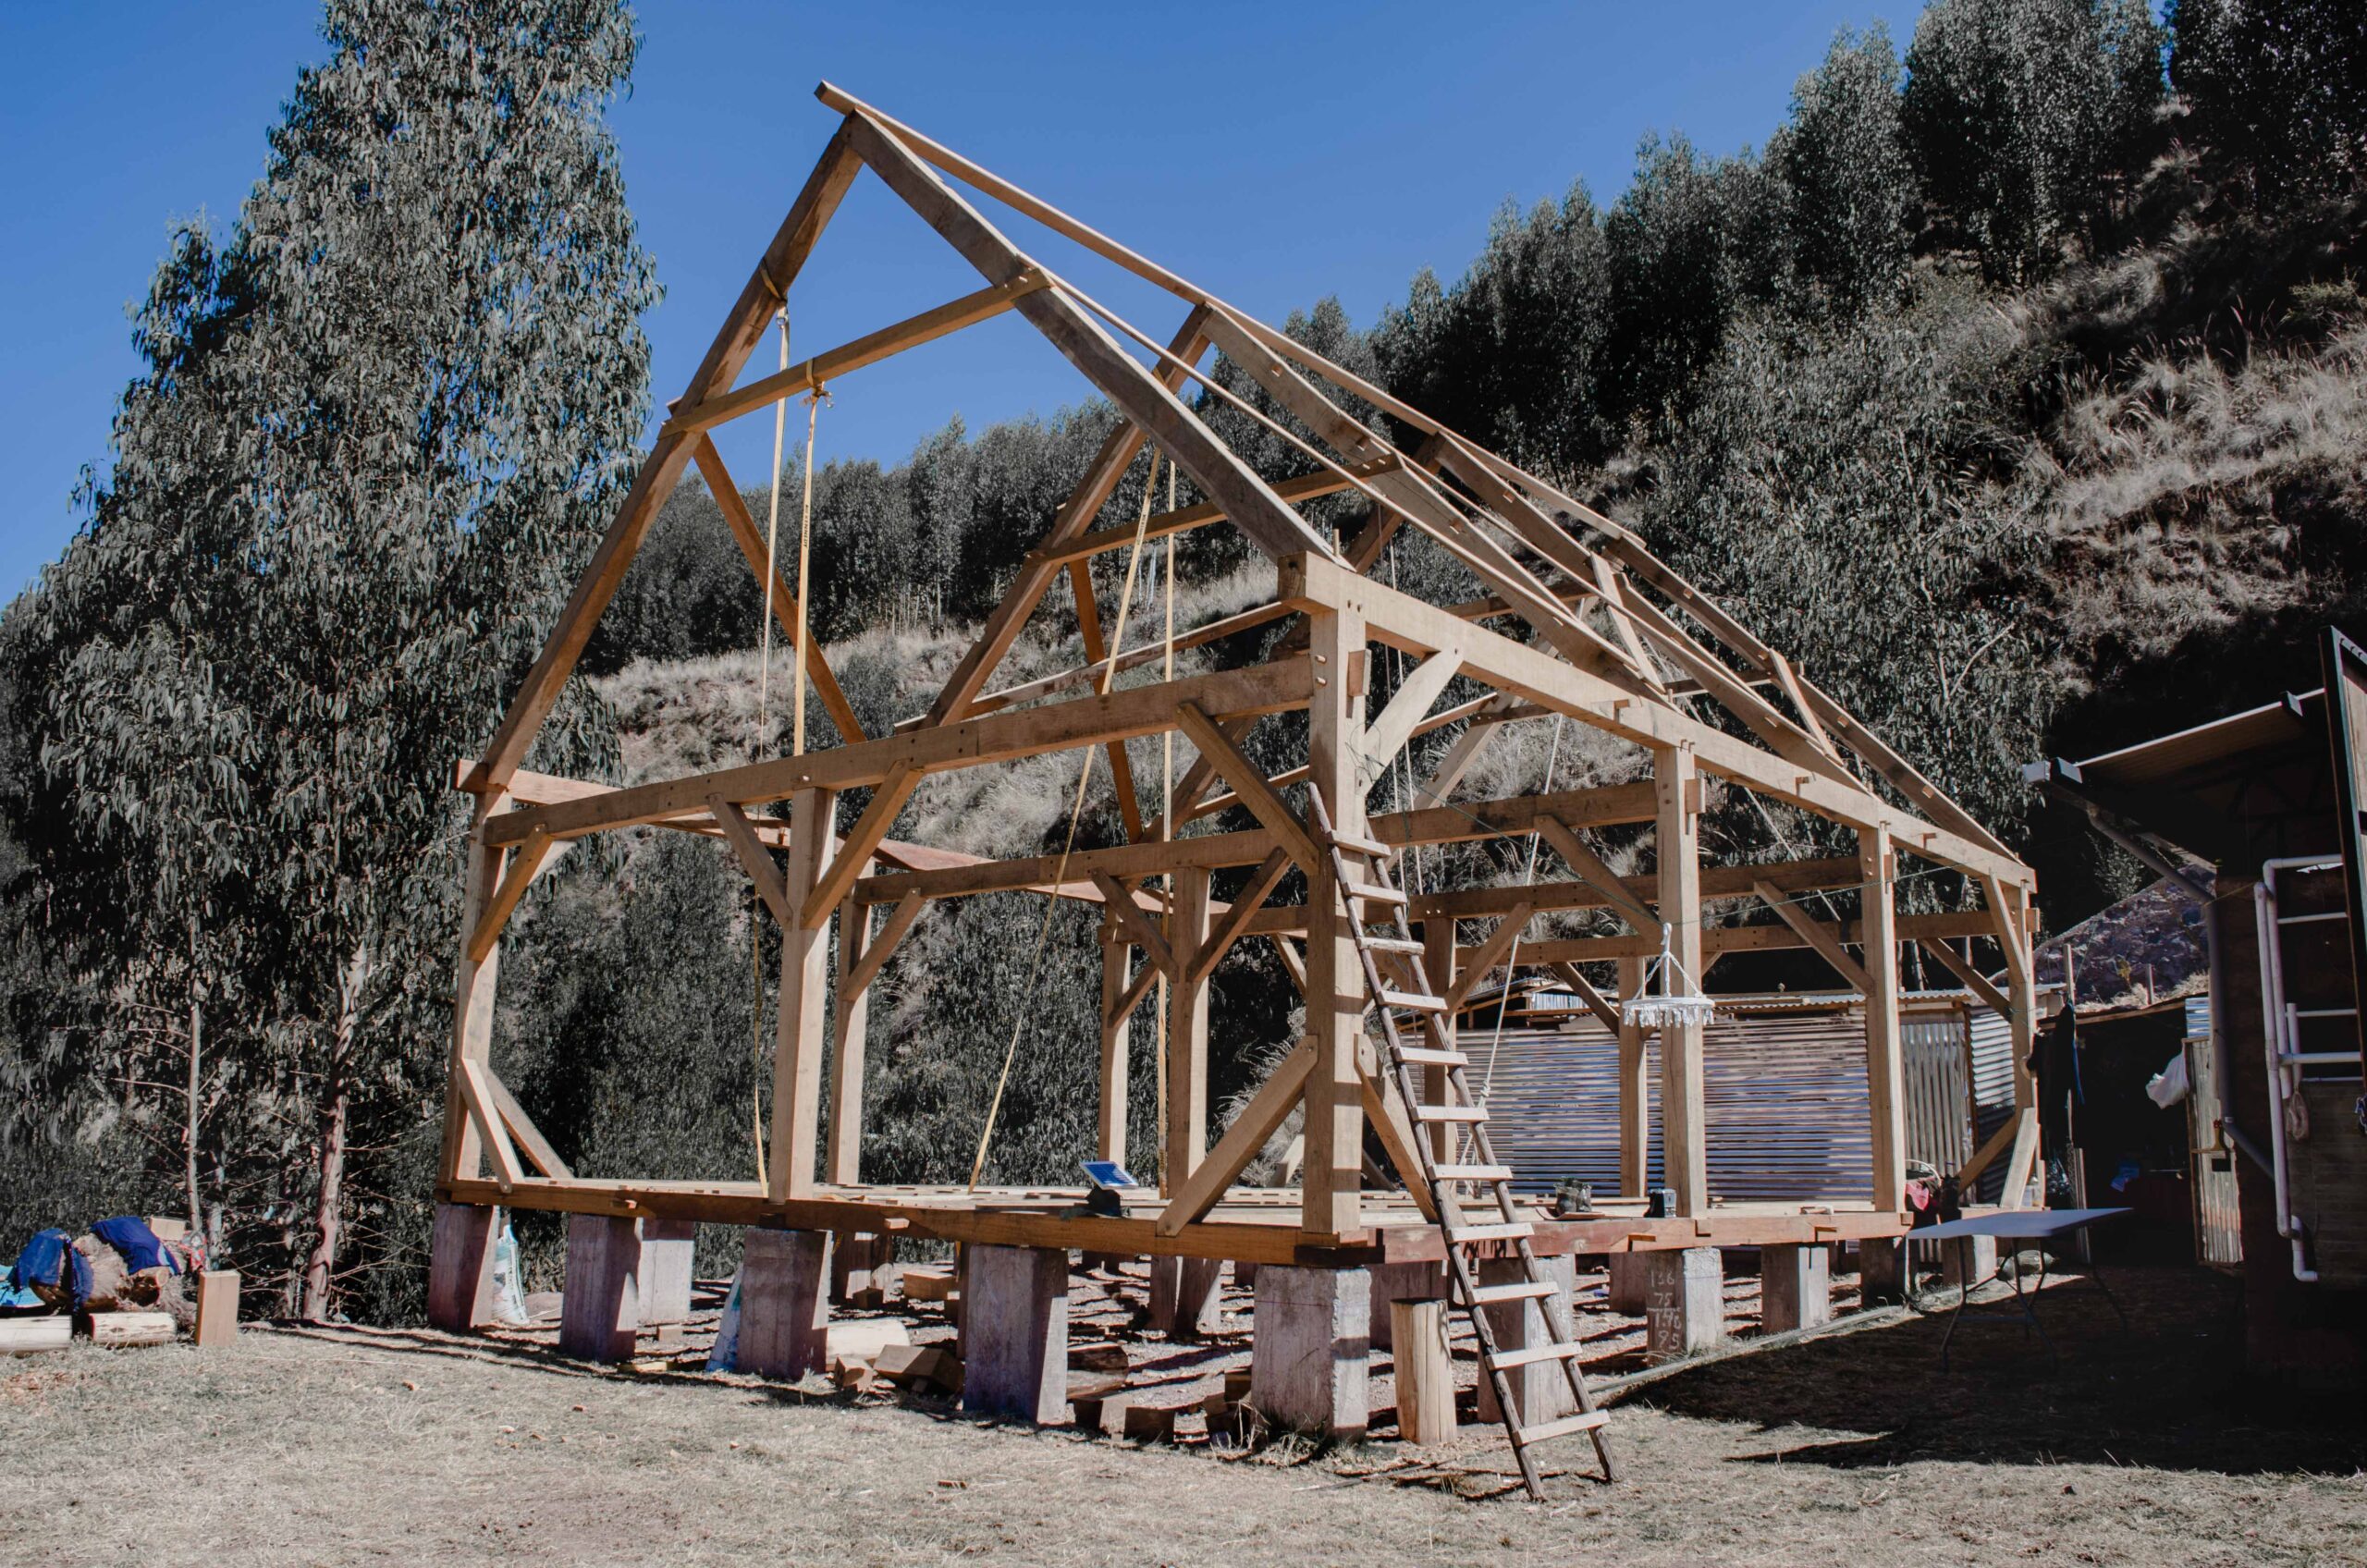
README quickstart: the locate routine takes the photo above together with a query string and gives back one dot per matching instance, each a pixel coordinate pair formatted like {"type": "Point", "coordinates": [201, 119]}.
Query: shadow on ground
{"type": "Point", "coordinates": [2169, 1391]}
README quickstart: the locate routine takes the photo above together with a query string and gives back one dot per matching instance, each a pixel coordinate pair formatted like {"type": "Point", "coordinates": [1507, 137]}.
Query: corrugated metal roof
{"type": "Point", "coordinates": [2166, 756]}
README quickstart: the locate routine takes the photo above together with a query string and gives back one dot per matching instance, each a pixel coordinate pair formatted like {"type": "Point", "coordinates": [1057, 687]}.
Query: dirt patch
{"type": "Point", "coordinates": [358, 1446]}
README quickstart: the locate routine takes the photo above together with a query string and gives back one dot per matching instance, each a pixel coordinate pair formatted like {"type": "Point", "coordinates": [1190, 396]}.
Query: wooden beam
{"type": "Point", "coordinates": [1720, 940]}
{"type": "Point", "coordinates": [797, 1040]}
{"type": "Point", "coordinates": [1120, 903]}
{"type": "Point", "coordinates": [1134, 658]}
{"type": "Point", "coordinates": [1186, 1134]}
{"type": "Point", "coordinates": [1249, 782]}
{"type": "Point", "coordinates": [1886, 1051]}
{"type": "Point", "coordinates": [476, 1090]}
{"type": "Point", "coordinates": [754, 859]}
{"type": "Point", "coordinates": [1591, 869]}
{"type": "Point", "coordinates": [474, 989]}
{"type": "Point", "coordinates": [1190, 1199]}
{"type": "Point", "coordinates": [1401, 620]}
{"type": "Point", "coordinates": [743, 328]}
{"type": "Point", "coordinates": [1331, 1186]}
{"type": "Point", "coordinates": [1386, 735]}
{"type": "Point", "coordinates": [1678, 850]}
{"type": "Point", "coordinates": [809, 376]}
{"type": "Point", "coordinates": [1385, 1109]}
{"type": "Point", "coordinates": [1977, 983]}
{"type": "Point", "coordinates": [1828, 946]}
{"type": "Point", "coordinates": [525, 861]}
{"type": "Point", "coordinates": [531, 1142]}
{"type": "Point", "coordinates": [1235, 920]}
{"type": "Point", "coordinates": [1997, 1142]}
{"type": "Point", "coordinates": [1605, 1011]}
{"type": "Point", "coordinates": [1292, 965]}
{"type": "Point", "coordinates": [1083, 721]}
{"type": "Point", "coordinates": [1482, 959]}
{"type": "Point", "coordinates": [1221, 473]}
{"type": "Point", "coordinates": [1305, 487]}
{"type": "Point", "coordinates": [1717, 882]}
{"type": "Point", "coordinates": [1110, 1135]}
{"type": "Point", "coordinates": [1635, 1090]}
{"type": "Point", "coordinates": [882, 945]}
{"type": "Point", "coordinates": [734, 507]}
{"type": "Point", "coordinates": [850, 1045]}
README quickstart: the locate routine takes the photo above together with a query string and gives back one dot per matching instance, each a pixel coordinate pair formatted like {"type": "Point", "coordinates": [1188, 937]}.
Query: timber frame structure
{"type": "Point", "coordinates": [1612, 639]}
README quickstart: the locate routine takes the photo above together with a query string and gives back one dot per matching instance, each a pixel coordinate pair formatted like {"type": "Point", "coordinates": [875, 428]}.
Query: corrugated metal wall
{"type": "Point", "coordinates": [1784, 1088]}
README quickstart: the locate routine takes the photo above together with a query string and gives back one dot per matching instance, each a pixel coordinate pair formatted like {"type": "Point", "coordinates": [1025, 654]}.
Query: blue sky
{"type": "Point", "coordinates": [1273, 153]}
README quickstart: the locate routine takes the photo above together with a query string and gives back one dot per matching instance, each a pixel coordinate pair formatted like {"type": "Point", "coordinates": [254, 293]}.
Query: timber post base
{"type": "Point", "coordinates": [1015, 1334]}
{"type": "Point", "coordinates": [860, 1262]}
{"type": "Point", "coordinates": [784, 1302]}
{"type": "Point", "coordinates": [667, 1248]}
{"type": "Point", "coordinates": [1881, 1270]}
{"type": "Point", "coordinates": [1540, 1391]}
{"type": "Point", "coordinates": [1423, 1370]}
{"type": "Point", "coordinates": [1310, 1350]}
{"type": "Point", "coordinates": [1794, 1287]}
{"type": "Point", "coordinates": [599, 1310]}
{"type": "Point", "coordinates": [1967, 1261]}
{"type": "Point", "coordinates": [1626, 1287]}
{"type": "Point", "coordinates": [1186, 1296]}
{"type": "Point", "coordinates": [460, 1266]}
{"type": "Point", "coordinates": [1684, 1303]}
{"type": "Point", "coordinates": [1395, 1283]}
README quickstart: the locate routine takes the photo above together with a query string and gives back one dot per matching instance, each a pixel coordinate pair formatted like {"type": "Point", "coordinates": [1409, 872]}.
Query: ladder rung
{"type": "Point", "coordinates": [1371, 893]}
{"type": "Point", "coordinates": [1414, 1001]}
{"type": "Point", "coordinates": [1392, 945]}
{"type": "Point", "coordinates": [1423, 1055]}
{"type": "Point", "coordinates": [1512, 1230]}
{"type": "Point", "coordinates": [1585, 1421]}
{"type": "Point", "coordinates": [1562, 1350]}
{"type": "Point", "coordinates": [1519, 1290]}
{"type": "Point", "coordinates": [1450, 1113]}
{"type": "Point", "coordinates": [1473, 1172]}
{"type": "Point", "coordinates": [1357, 843]}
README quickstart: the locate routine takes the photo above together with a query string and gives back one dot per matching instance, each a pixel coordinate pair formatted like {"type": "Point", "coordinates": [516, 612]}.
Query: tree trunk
{"type": "Point", "coordinates": [327, 1208]}
{"type": "Point", "coordinates": [189, 1125]}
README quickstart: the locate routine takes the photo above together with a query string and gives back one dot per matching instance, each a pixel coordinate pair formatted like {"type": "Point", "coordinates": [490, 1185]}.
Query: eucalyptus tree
{"type": "Point", "coordinates": [1848, 187]}
{"type": "Point", "coordinates": [383, 420]}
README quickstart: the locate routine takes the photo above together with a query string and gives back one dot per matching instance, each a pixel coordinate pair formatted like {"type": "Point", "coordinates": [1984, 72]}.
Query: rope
{"type": "Point", "coordinates": [756, 743]}
{"type": "Point", "coordinates": [814, 400]}
{"type": "Point", "coordinates": [1077, 810]}
{"type": "Point", "coordinates": [1166, 818]}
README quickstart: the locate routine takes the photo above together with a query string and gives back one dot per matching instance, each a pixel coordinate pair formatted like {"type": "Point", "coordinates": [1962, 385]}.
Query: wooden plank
{"type": "Point", "coordinates": [217, 1308]}
{"type": "Point", "coordinates": [762, 294]}
{"type": "Point", "coordinates": [516, 878]}
{"type": "Point", "coordinates": [1120, 903]}
{"type": "Point", "coordinates": [1221, 473]}
{"type": "Point", "coordinates": [1267, 1110]}
{"type": "Point", "coordinates": [1249, 782]}
{"type": "Point", "coordinates": [754, 859]}
{"type": "Point", "coordinates": [531, 1142]}
{"type": "Point", "coordinates": [1596, 873]}
{"type": "Point", "coordinates": [1142, 710]}
{"type": "Point", "coordinates": [811, 374]}
{"type": "Point", "coordinates": [1820, 938]}
{"type": "Point", "coordinates": [1481, 960]}
{"type": "Point", "coordinates": [1388, 734]}
{"type": "Point", "coordinates": [734, 507]}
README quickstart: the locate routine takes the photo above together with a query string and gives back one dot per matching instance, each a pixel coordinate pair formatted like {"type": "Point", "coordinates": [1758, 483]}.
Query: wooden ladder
{"type": "Point", "coordinates": [1372, 899]}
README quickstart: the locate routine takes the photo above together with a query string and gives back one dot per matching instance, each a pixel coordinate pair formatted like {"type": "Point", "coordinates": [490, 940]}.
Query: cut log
{"type": "Point", "coordinates": [121, 1331]}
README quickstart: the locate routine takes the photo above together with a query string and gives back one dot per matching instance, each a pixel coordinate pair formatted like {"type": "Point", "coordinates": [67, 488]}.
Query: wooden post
{"type": "Point", "coordinates": [1117, 961]}
{"type": "Point", "coordinates": [1885, 1066]}
{"type": "Point", "coordinates": [217, 1308]}
{"type": "Point", "coordinates": [843, 1158]}
{"type": "Point", "coordinates": [1424, 1371]}
{"type": "Point", "coordinates": [600, 1305]}
{"type": "Point", "coordinates": [784, 1302]}
{"type": "Point", "coordinates": [1794, 1287]}
{"type": "Point", "coordinates": [459, 1266]}
{"type": "Point", "coordinates": [1309, 1350]}
{"type": "Point", "coordinates": [1332, 1187]}
{"type": "Point", "coordinates": [1438, 964]}
{"type": "Point", "coordinates": [1187, 1035]}
{"type": "Point", "coordinates": [1015, 1332]}
{"type": "Point", "coordinates": [1683, 1152]}
{"type": "Point", "coordinates": [473, 998]}
{"type": "Point", "coordinates": [1685, 1302]}
{"type": "Point", "coordinates": [667, 1251]}
{"type": "Point", "coordinates": [1635, 1094]}
{"type": "Point", "coordinates": [797, 1041]}
{"type": "Point", "coordinates": [2015, 919]}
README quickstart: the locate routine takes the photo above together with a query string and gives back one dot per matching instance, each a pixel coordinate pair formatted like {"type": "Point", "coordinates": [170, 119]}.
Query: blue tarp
{"type": "Point", "coordinates": [130, 1235]}
{"type": "Point", "coordinates": [48, 1255]}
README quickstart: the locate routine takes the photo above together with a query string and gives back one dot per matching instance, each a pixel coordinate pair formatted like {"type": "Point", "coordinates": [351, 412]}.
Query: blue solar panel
{"type": "Point", "coordinates": [1108, 1173]}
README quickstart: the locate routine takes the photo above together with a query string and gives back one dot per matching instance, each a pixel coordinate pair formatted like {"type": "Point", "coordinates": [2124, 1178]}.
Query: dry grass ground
{"type": "Point", "coordinates": [371, 1445]}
